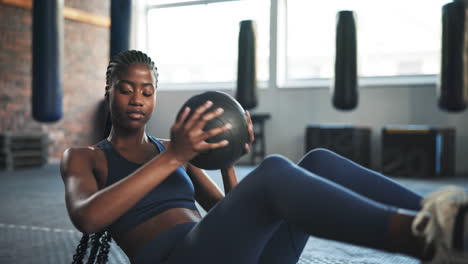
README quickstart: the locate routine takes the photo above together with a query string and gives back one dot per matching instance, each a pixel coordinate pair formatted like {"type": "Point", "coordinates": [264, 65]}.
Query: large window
{"type": "Point", "coordinates": [394, 38]}
{"type": "Point", "coordinates": [194, 43]}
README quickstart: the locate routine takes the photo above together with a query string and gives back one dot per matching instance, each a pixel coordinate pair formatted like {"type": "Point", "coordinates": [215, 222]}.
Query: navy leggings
{"type": "Point", "coordinates": [269, 216]}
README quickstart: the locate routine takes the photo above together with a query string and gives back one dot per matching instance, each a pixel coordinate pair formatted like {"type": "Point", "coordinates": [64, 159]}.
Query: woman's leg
{"type": "Point", "coordinates": [285, 245]}
{"type": "Point", "coordinates": [239, 227]}
{"type": "Point", "coordinates": [366, 182]}
{"type": "Point", "coordinates": [351, 175]}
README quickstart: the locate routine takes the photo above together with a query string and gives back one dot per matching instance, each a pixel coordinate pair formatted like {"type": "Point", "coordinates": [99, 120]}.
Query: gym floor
{"type": "Point", "coordinates": [35, 228]}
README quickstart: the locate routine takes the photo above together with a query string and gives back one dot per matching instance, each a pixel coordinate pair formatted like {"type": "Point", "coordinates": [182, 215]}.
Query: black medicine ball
{"type": "Point", "coordinates": [237, 136]}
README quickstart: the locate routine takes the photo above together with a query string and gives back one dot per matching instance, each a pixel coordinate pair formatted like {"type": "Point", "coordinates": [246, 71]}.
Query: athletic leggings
{"type": "Point", "coordinates": [269, 215]}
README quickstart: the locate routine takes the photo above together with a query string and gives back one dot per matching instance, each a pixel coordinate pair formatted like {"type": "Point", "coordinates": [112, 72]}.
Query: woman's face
{"type": "Point", "coordinates": [132, 97]}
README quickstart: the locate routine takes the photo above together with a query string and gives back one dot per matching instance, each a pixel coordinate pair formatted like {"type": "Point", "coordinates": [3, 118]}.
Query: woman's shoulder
{"type": "Point", "coordinates": [82, 155]}
{"type": "Point", "coordinates": [83, 151]}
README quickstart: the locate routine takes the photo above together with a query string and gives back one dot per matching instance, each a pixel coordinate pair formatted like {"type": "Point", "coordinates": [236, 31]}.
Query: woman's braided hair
{"type": "Point", "coordinates": [99, 248]}
{"type": "Point", "coordinates": [100, 241]}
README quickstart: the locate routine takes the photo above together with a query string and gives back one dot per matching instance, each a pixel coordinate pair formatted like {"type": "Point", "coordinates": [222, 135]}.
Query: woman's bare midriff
{"type": "Point", "coordinates": [135, 239]}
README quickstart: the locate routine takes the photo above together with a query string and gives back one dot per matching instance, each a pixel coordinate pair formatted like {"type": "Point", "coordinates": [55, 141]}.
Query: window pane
{"type": "Point", "coordinates": [394, 37]}
{"type": "Point", "coordinates": [198, 43]}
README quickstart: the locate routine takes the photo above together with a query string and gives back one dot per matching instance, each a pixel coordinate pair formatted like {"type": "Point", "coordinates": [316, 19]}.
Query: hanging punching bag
{"type": "Point", "coordinates": [344, 89]}
{"type": "Point", "coordinates": [120, 26]}
{"type": "Point", "coordinates": [47, 59]}
{"type": "Point", "coordinates": [452, 90]}
{"type": "Point", "coordinates": [246, 92]}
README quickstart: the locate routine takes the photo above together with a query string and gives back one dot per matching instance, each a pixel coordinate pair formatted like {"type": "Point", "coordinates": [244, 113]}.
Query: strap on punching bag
{"type": "Point", "coordinates": [246, 92]}
{"type": "Point", "coordinates": [452, 90]}
{"type": "Point", "coordinates": [47, 51]}
{"type": "Point", "coordinates": [120, 26]}
{"type": "Point", "coordinates": [344, 89]}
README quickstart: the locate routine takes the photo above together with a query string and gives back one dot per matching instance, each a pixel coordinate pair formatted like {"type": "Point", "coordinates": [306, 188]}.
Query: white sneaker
{"type": "Point", "coordinates": [442, 208]}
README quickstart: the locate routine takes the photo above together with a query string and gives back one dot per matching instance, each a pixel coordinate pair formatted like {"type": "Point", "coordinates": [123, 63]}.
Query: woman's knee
{"type": "Point", "coordinates": [265, 175]}
{"type": "Point", "coordinates": [273, 166]}
{"type": "Point", "coordinates": [275, 161]}
{"type": "Point", "coordinates": [316, 157]}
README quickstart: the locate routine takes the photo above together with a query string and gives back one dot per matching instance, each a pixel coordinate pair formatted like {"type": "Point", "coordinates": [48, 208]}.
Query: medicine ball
{"type": "Point", "coordinates": [237, 136]}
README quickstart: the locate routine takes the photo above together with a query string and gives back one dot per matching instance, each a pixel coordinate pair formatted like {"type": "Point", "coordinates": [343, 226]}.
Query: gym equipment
{"type": "Point", "coordinates": [344, 89]}
{"type": "Point", "coordinates": [120, 26]}
{"type": "Point", "coordinates": [350, 141]}
{"type": "Point", "coordinates": [23, 150]}
{"type": "Point", "coordinates": [246, 92]}
{"type": "Point", "coordinates": [237, 136]}
{"type": "Point", "coordinates": [452, 90]}
{"type": "Point", "coordinates": [47, 57]}
{"type": "Point", "coordinates": [418, 151]}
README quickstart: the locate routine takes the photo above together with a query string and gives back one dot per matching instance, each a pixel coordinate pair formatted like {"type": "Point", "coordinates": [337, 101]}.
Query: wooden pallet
{"type": "Point", "coordinates": [418, 151]}
{"type": "Point", "coordinates": [23, 150]}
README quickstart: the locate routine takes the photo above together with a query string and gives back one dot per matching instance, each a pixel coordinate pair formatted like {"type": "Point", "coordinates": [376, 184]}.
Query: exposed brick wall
{"type": "Point", "coordinates": [85, 60]}
{"type": "Point", "coordinates": [101, 8]}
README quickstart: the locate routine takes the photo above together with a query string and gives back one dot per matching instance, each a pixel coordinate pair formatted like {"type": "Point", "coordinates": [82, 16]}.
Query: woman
{"type": "Point", "coordinates": [142, 191]}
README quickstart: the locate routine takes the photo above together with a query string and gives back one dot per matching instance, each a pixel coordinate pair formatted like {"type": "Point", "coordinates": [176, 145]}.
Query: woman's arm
{"type": "Point", "coordinates": [207, 192]}
{"type": "Point", "coordinates": [229, 178]}
{"type": "Point", "coordinates": [91, 209]}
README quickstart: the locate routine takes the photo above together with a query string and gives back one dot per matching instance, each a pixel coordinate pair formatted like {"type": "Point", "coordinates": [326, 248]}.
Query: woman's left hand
{"type": "Point", "coordinates": [251, 132]}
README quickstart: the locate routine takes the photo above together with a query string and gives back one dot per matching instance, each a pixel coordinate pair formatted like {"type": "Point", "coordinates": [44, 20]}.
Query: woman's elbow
{"type": "Point", "coordinates": [85, 223]}
{"type": "Point", "coordinates": [86, 228]}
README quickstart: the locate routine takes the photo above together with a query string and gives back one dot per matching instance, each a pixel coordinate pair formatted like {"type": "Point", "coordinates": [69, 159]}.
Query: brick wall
{"type": "Point", "coordinates": [85, 60]}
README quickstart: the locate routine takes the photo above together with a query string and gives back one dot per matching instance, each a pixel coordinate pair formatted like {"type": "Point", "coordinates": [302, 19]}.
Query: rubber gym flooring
{"type": "Point", "coordinates": [34, 226]}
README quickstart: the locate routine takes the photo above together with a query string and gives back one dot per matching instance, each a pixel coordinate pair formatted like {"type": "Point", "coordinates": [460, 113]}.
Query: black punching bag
{"type": "Point", "coordinates": [344, 89]}
{"type": "Point", "coordinates": [47, 58]}
{"type": "Point", "coordinates": [246, 92]}
{"type": "Point", "coordinates": [120, 26]}
{"type": "Point", "coordinates": [452, 90]}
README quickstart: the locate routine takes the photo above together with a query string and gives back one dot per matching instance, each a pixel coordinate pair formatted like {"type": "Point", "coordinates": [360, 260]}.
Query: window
{"type": "Point", "coordinates": [394, 38]}
{"type": "Point", "coordinates": [195, 42]}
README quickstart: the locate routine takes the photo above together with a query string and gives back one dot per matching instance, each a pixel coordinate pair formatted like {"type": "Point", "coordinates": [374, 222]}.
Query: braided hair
{"type": "Point", "coordinates": [99, 248]}
{"type": "Point", "coordinates": [100, 241]}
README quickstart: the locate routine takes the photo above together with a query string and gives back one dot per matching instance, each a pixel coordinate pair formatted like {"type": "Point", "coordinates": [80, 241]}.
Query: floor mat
{"type": "Point", "coordinates": [34, 226]}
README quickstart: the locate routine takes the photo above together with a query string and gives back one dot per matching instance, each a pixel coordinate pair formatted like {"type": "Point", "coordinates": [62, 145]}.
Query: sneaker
{"type": "Point", "coordinates": [442, 207]}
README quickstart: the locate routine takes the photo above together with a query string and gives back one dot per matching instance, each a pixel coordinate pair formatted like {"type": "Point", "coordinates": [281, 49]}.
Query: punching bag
{"type": "Point", "coordinates": [344, 88]}
{"type": "Point", "coordinates": [452, 91]}
{"type": "Point", "coordinates": [246, 92]}
{"type": "Point", "coordinates": [47, 58]}
{"type": "Point", "coordinates": [120, 26]}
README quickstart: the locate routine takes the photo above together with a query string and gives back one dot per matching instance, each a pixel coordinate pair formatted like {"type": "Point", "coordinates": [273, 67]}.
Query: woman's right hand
{"type": "Point", "coordinates": [188, 137]}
